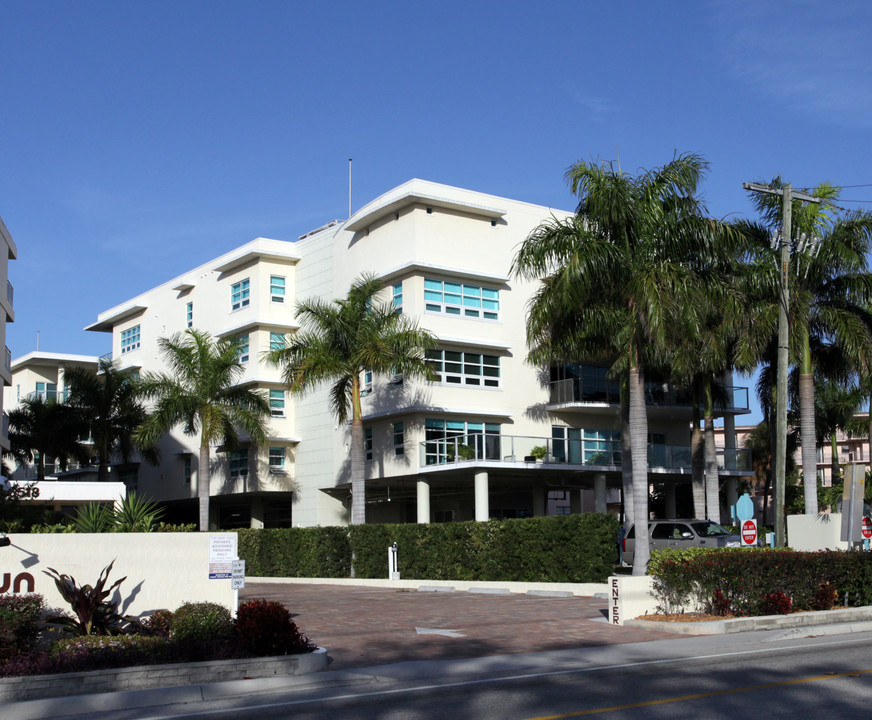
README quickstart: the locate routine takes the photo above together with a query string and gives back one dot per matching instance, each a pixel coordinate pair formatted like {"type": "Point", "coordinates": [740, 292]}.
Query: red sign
{"type": "Point", "coordinates": [749, 532]}
{"type": "Point", "coordinates": [866, 528]}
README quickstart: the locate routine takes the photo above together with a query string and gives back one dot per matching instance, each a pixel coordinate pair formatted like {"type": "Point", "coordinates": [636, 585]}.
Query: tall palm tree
{"type": "Point", "coordinates": [339, 341]}
{"type": "Point", "coordinates": [200, 393]}
{"type": "Point", "coordinates": [628, 267]}
{"type": "Point", "coordinates": [830, 296]}
{"type": "Point", "coordinates": [108, 402]}
{"type": "Point", "coordinates": [40, 428]}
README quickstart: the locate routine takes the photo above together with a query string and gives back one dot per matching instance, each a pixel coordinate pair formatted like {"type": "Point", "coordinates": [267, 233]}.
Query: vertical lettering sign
{"type": "Point", "coordinates": [222, 553]}
{"type": "Point", "coordinates": [616, 595]}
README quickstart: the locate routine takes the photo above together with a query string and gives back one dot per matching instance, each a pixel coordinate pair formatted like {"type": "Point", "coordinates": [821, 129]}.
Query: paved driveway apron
{"type": "Point", "coordinates": [363, 626]}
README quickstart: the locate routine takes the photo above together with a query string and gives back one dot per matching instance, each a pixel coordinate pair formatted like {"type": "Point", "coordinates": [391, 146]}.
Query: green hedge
{"type": "Point", "coordinates": [568, 548]}
{"type": "Point", "coordinates": [744, 581]}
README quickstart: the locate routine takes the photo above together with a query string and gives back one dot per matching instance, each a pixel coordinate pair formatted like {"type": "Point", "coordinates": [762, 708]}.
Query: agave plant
{"type": "Point", "coordinates": [95, 613]}
{"type": "Point", "coordinates": [93, 518]}
{"type": "Point", "coordinates": [136, 514]}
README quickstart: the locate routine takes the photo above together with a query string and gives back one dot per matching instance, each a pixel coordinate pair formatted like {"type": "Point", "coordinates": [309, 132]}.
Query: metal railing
{"type": "Point", "coordinates": [48, 395]}
{"type": "Point", "coordinates": [584, 390]}
{"type": "Point", "coordinates": [575, 452]}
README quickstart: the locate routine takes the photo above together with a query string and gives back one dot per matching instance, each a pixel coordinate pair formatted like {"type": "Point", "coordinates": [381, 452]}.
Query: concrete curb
{"type": "Point", "coordinates": [815, 619]}
{"type": "Point", "coordinates": [573, 589]}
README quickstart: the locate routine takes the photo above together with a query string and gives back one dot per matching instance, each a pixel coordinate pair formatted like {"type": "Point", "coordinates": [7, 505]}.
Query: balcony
{"type": "Point", "coordinates": [10, 292]}
{"type": "Point", "coordinates": [597, 391]}
{"type": "Point", "coordinates": [49, 395]}
{"type": "Point", "coordinates": [522, 450]}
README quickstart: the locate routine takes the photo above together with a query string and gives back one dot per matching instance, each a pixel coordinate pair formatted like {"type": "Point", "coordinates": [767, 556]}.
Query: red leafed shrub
{"type": "Point", "coordinates": [158, 624]}
{"type": "Point", "coordinates": [824, 598]}
{"type": "Point", "coordinates": [776, 603]}
{"type": "Point", "coordinates": [720, 604]}
{"type": "Point", "coordinates": [265, 628]}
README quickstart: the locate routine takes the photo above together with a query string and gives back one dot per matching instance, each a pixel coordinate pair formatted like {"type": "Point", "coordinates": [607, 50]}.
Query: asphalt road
{"type": "Point", "coordinates": [770, 675]}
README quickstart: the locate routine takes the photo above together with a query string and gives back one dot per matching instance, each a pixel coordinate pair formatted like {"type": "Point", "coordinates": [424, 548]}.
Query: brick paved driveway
{"type": "Point", "coordinates": [363, 626]}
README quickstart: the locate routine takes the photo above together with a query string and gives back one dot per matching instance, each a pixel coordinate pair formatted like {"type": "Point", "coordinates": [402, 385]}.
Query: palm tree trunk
{"type": "Point", "coordinates": [712, 481]}
{"type": "Point", "coordinates": [203, 477]}
{"type": "Point", "coordinates": [358, 462]}
{"type": "Point", "coordinates": [697, 455]}
{"type": "Point", "coordinates": [639, 455]}
{"type": "Point", "coordinates": [626, 462]}
{"type": "Point", "coordinates": [807, 432]}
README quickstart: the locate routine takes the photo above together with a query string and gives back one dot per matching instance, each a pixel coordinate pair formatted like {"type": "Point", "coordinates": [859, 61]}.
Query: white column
{"type": "Point", "coordinates": [423, 488]}
{"type": "Point", "coordinates": [256, 513]}
{"type": "Point", "coordinates": [669, 489]}
{"type": "Point", "coordinates": [599, 493]}
{"type": "Point", "coordinates": [732, 495]}
{"type": "Point", "coordinates": [482, 508]}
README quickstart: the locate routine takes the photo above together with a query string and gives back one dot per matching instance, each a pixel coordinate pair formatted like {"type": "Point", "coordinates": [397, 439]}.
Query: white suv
{"type": "Point", "coordinates": [680, 534]}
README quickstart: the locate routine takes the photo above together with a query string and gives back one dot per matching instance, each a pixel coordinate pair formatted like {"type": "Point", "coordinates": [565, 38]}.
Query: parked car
{"type": "Point", "coordinates": [680, 533]}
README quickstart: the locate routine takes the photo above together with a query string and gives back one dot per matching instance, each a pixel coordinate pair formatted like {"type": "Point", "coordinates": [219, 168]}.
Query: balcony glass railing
{"type": "Point", "coordinates": [8, 359]}
{"type": "Point", "coordinates": [46, 395]}
{"type": "Point", "coordinates": [10, 293]}
{"type": "Point", "coordinates": [522, 449]}
{"type": "Point", "coordinates": [582, 390]}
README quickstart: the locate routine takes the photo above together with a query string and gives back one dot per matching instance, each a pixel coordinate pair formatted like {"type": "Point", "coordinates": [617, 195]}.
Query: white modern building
{"type": "Point", "coordinates": [461, 448]}
{"type": "Point", "coordinates": [8, 252]}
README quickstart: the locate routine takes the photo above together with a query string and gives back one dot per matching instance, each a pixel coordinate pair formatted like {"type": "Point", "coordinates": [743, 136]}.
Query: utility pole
{"type": "Point", "coordinates": [788, 194]}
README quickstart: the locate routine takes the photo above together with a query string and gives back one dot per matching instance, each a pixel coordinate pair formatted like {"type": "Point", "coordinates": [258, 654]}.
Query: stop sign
{"type": "Point", "coordinates": [866, 527]}
{"type": "Point", "coordinates": [749, 532]}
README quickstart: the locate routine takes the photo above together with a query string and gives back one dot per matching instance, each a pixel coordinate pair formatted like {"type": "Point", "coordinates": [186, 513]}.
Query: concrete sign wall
{"type": "Point", "coordinates": [163, 570]}
{"type": "Point", "coordinates": [815, 532]}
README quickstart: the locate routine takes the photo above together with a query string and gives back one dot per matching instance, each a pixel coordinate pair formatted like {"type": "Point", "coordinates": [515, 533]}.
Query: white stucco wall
{"type": "Point", "coordinates": [163, 570]}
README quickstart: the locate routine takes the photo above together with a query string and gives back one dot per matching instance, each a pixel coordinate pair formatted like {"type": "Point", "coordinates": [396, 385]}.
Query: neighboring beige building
{"type": "Point", "coordinates": [8, 252]}
{"type": "Point", "coordinates": [460, 448]}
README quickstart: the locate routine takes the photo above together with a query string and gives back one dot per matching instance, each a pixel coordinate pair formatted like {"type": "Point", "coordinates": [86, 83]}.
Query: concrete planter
{"type": "Point", "coordinates": [145, 677]}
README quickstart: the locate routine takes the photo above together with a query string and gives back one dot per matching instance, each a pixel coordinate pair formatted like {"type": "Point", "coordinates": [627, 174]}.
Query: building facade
{"type": "Point", "coordinates": [492, 436]}
{"type": "Point", "coordinates": [8, 252]}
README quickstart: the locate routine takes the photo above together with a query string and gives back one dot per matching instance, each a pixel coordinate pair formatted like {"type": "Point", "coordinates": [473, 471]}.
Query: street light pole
{"type": "Point", "coordinates": [788, 194]}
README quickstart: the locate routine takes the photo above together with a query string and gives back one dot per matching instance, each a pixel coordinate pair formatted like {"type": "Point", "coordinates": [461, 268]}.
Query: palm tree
{"type": "Point", "coordinates": [108, 402]}
{"type": "Point", "coordinates": [338, 342]}
{"type": "Point", "coordinates": [830, 295]}
{"type": "Point", "coordinates": [628, 267]}
{"type": "Point", "coordinates": [201, 394]}
{"type": "Point", "coordinates": [41, 428]}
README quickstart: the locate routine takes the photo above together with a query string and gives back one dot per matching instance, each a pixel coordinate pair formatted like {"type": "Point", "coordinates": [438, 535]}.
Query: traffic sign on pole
{"type": "Point", "coordinates": [866, 527]}
{"type": "Point", "coordinates": [749, 533]}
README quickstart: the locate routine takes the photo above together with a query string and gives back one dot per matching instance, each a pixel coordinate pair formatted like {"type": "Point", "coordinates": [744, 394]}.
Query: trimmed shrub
{"type": "Point", "coordinates": [158, 624]}
{"type": "Point", "coordinates": [19, 623]}
{"type": "Point", "coordinates": [201, 621]}
{"type": "Point", "coordinates": [265, 628]}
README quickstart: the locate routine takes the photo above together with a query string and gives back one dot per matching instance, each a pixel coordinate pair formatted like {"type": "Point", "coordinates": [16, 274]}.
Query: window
{"type": "Point", "coordinates": [239, 295]}
{"type": "Point", "coordinates": [276, 459]}
{"type": "Point", "coordinates": [239, 463]}
{"type": "Point", "coordinates": [398, 297]}
{"type": "Point", "coordinates": [47, 391]}
{"type": "Point", "coordinates": [452, 298]}
{"type": "Point", "coordinates": [399, 439]}
{"type": "Point", "coordinates": [366, 387]}
{"type": "Point", "coordinates": [189, 314]}
{"type": "Point", "coordinates": [452, 440]}
{"type": "Point", "coordinates": [367, 443]}
{"type": "Point", "coordinates": [187, 470]}
{"type": "Point", "coordinates": [277, 288]}
{"type": "Point", "coordinates": [465, 368]}
{"type": "Point", "coordinates": [277, 403]}
{"type": "Point", "coordinates": [276, 340]}
{"type": "Point", "coordinates": [585, 447]}
{"type": "Point", "coordinates": [129, 339]}
{"type": "Point", "coordinates": [242, 348]}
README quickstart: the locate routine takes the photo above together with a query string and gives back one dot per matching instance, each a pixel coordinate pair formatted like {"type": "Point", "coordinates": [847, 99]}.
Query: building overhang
{"type": "Point", "coordinates": [108, 320]}
{"type": "Point", "coordinates": [258, 249]}
{"type": "Point", "coordinates": [434, 409]}
{"type": "Point", "coordinates": [419, 268]}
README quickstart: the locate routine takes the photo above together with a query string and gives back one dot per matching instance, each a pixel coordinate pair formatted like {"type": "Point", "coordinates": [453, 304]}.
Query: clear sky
{"type": "Point", "coordinates": [140, 139]}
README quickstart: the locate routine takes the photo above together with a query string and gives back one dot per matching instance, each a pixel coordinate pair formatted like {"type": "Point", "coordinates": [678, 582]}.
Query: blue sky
{"type": "Point", "coordinates": [140, 139]}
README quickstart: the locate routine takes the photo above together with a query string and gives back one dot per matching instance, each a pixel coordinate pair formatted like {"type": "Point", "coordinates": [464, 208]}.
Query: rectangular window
{"type": "Point", "coordinates": [367, 443]}
{"type": "Point", "coordinates": [277, 459]}
{"type": "Point", "coordinates": [454, 298]}
{"type": "Point", "coordinates": [187, 471]}
{"type": "Point", "coordinates": [129, 339]}
{"type": "Point", "coordinates": [465, 368]}
{"type": "Point", "coordinates": [239, 294]}
{"type": "Point", "coordinates": [277, 288]}
{"type": "Point", "coordinates": [239, 463]}
{"type": "Point", "coordinates": [277, 403]}
{"type": "Point", "coordinates": [47, 391]}
{"type": "Point", "coordinates": [366, 386]}
{"type": "Point", "coordinates": [399, 439]}
{"type": "Point", "coordinates": [585, 447]}
{"type": "Point", "coordinates": [398, 297]}
{"type": "Point", "coordinates": [276, 340]}
{"type": "Point", "coordinates": [242, 348]}
{"type": "Point", "coordinates": [189, 314]}
{"type": "Point", "coordinates": [455, 440]}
